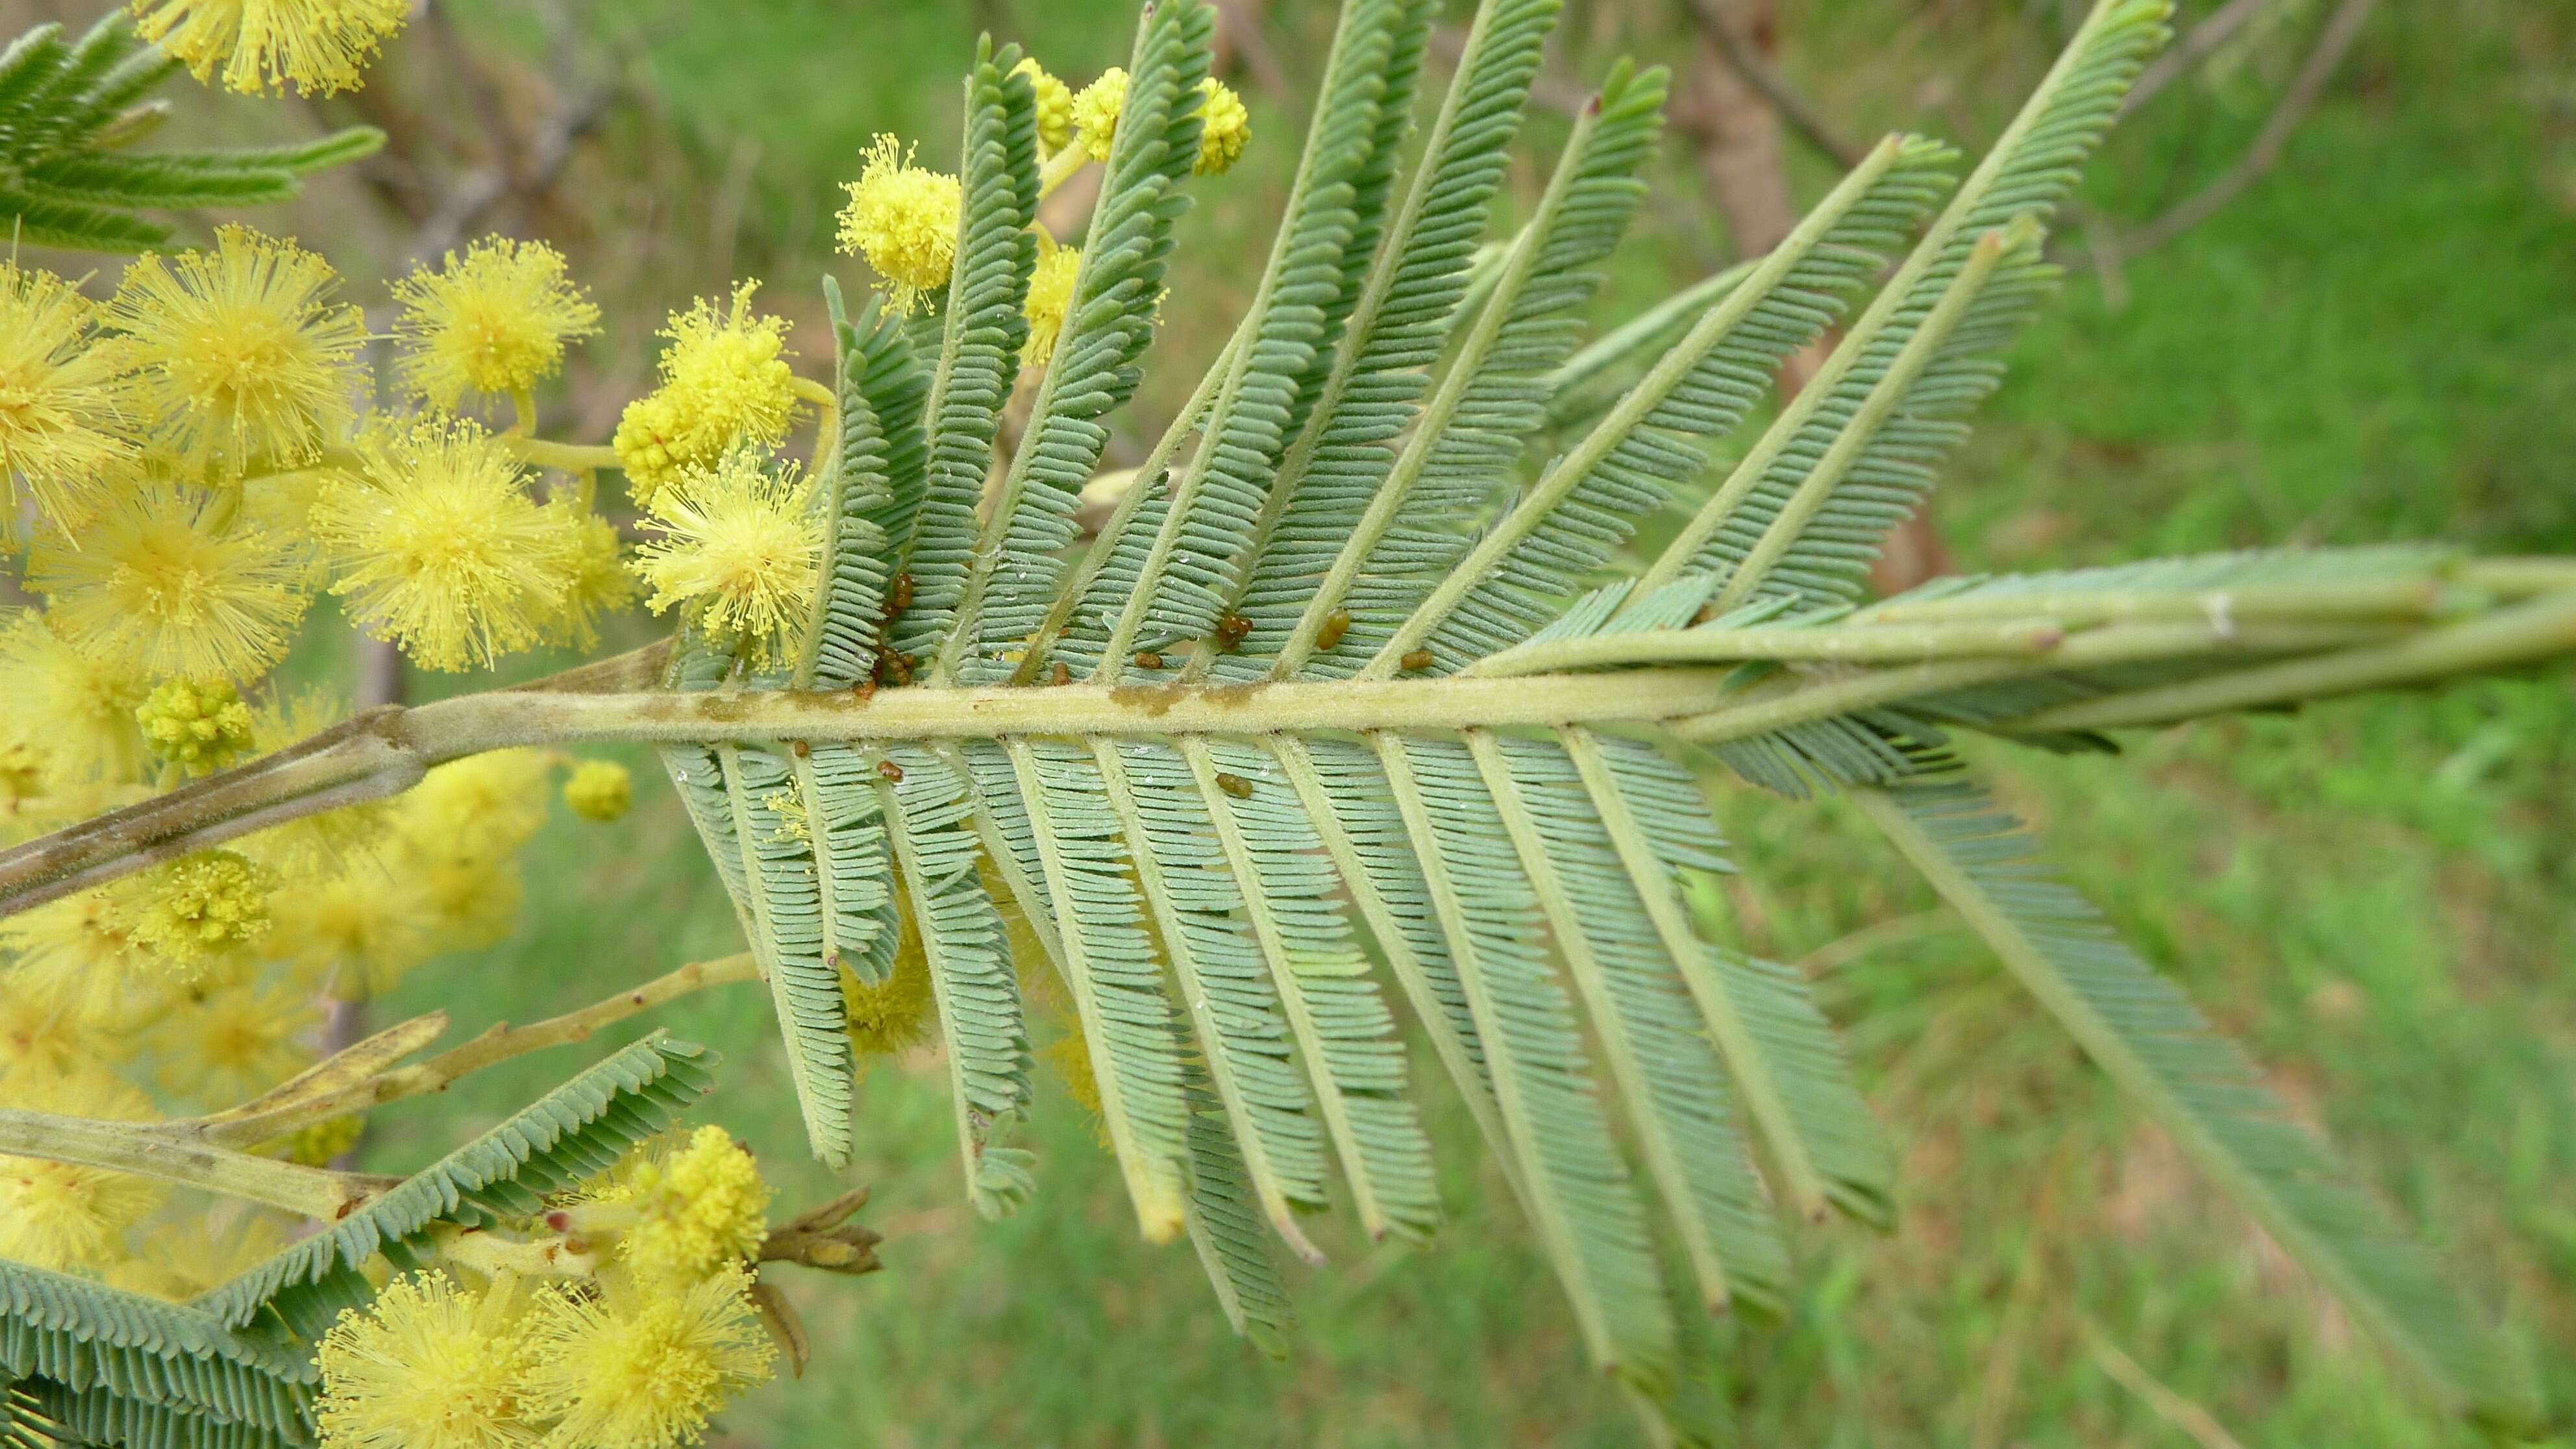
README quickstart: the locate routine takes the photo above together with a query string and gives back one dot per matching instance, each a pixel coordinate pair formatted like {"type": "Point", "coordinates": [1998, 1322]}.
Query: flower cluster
{"type": "Point", "coordinates": [634, 1348]}
{"type": "Point", "coordinates": [904, 218]}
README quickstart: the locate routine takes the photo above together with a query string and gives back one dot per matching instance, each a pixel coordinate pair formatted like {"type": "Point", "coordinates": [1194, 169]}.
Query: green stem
{"type": "Point", "coordinates": [142, 1149]}
{"type": "Point", "coordinates": [570, 457]}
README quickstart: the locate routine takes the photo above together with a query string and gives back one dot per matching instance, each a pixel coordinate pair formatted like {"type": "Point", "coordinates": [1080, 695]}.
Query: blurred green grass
{"type": "Point", "coordinates": [2376, 341]}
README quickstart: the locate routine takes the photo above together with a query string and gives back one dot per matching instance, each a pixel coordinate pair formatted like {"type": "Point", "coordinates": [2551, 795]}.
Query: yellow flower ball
{"type": "Point", "coordinates": [427, 1365]}
{"type": "Point", "coordinates": [643, 1369]}
{"type": "Point", "coordinates": [599, 790]}
{"type": "Point", "coordinates": [738, 546]}
{"type": "Point", "coordinates": [439, 547]}
{"type": "Point", "coordinates": [1095, 112]}
{"type": "Point", "coordinates": [494, 322]}
{"type": "Point", "coordinates": [158, 584]}
{"type": "Point", "coordinates": [260, 45]}
{"type": "Point", "coordinates": [725, 382]}
{"type": "Point", "coordinates": [65, 1215]}
{"type": "Point", "coordinates": [239, 354]}
{"type": "Point", "coordinates": [903, 218]}
{"type": "Point", "coordinates": [59, 404]}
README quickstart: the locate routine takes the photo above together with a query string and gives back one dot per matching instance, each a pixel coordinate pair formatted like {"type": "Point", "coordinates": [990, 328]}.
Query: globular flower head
{"type": "Point", "coordinates": [487, 804]}
{"type": "Point", "coordinates": [1050, 295]}
{"type": "Point", "coordinates": [599, 790]}
{"type": "Point", "coordinates": [239, 353]}
{"type": "Point", "coordinates": [1224, 127]}
{"type": "Point", "coordinates": [40, 1036]}
{"type": "Point", "coordinates": [887, 1018]}
{"type": "Point", "coordinates": [260, 45]}
{"type": "Point", "coordinates": [355, 932]}
{"type": "Point", "coordinates": [158, 585]}
{"type": "Point", "coordinates": [79, 956]}
{"type": "Point", "coordinates": [440, 548]}
{"type": "Point", "coordinates": [1054, 105]}
{"type": "Point", "coordinates": [180, 1259]}
{"type": "Point", "coordinates": [739, 546]}
{"type": "Point", "coordinates": [1096, 111]}
{"type": "Point", "coordinates": [687, 1211]}
{"type": "Point", "coordinates": [493, 322]}
{"type": "Point", "coordinates": [230, 1043]}
{"type": "Point", "coordinates": [644, 1370]}
{"type": "Point", "coordinates": [725, 382]}
{"type": "Point", "coordinates": [58, 396]}
{"type": "Point", "coordinates": [599, 582]}
{"type": "Point", "coordinates": [427, 1365]}
{"type": "Point", "coordinates": [199, 725]}
{"type": "Point", "coordinates": [202, 909]}
{"type": "Point", "coordinates": [903, 218]}
{"type": "Point", "coordinates": [75, 710]}
{"type": "Point", "coordinates": [64, 1215]}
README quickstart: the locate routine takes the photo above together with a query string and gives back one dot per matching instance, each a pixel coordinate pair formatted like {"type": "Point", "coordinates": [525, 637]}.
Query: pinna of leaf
{"type": "Point", "coordinates": [1287, 738]}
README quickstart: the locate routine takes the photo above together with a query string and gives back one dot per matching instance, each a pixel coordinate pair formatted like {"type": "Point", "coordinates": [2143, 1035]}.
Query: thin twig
{"type": "Point", "coordinates": [1748, 64]}
{"type": "Point", "coordinates": [2167, 1405]}
{"type": "Point", "coordinates": [2189, 51]}
{"type": "Point", "coordinates": [330, 1095]}
{"type": "Point", "coordinates": [2304, 91]}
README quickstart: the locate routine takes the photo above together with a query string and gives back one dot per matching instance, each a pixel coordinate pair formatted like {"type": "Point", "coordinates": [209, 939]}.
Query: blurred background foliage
{"type": "Point", "coordinates": [2376, 339]}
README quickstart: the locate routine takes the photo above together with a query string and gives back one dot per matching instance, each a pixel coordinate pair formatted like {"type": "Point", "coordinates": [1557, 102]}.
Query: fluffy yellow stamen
{"type": "Point", "coordinates": [1096, 110]}
{"type": "Point", "coordinates": [64, 1215]}
{"type": "Point", "coordinates": [58, 399]}
{"type": "Point", "coordinates": [260, 45]}
{"type": "Point", "coordinates": [903, 219]}
{"type": "Point", "coordinates": [229, 1044]}
{"type": "Point", "coordinates": [644, 1370]}
{"type": "Point", "coordinates": [599, 790]}
{"type": "Point", "coordinates": [689, 1212]}
{"type": "Point", "coordinates": [1224, 127]}
{"type": "Point", "coordinates": [725, 381]}
{"type": "Point", "coordinates": [493, 322]}
{"type": "Point", "coordinates": [441, 550]}
{"type": "Point", "coordinates": [599, 582]}
{"type": "Point", "coordinates": [75, 709]}
{"type": "Point", "coordinates": [427, 1365]}
{"type": "Point", "coordinates": [739, 547]}
{"type": "Point", "coordinates": [239, 353]}
{"type": "Point", "coordinates": [156, 584]}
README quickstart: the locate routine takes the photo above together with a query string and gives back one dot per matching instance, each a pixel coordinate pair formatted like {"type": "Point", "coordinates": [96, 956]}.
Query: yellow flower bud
{"type": "Point", "coordinates": [1223, 128]}
{"type": "Point", "coordinates": [1054, 105]}
{"type": "Point", "coordinates": [199, 725]}
{"type": "Point", "coordinates": [599, 790]}
{"type": "Point", "coordinates": [1095, 112]}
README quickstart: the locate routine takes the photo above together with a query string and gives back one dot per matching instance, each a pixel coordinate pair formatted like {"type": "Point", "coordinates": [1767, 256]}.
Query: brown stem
{"type": "Point", "coordinates": [332, 1090]}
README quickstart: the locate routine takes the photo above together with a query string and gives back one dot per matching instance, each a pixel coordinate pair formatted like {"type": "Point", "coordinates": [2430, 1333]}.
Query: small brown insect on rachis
{"type": "Point", "coordinates": [1148, 659]}
{"type": "Point", "coordinates": [1061, 674]}
{"type": "Point", "coordinates": [890, 772]}
{"type": "Point", "coordinates": [898, 594]}
{"type": "Point", "coordinates": [1230, 629]}
{"type": "Point", "coordinates": [1417, 659]}
{"type": "Point", "coordinates": [1234, 785]}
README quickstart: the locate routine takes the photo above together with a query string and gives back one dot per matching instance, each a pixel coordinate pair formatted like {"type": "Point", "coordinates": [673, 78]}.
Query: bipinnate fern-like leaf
{"type": "Point", "coordinates": [1360, 695]}
{"type": "Point", "coordinates": [68, 110]}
